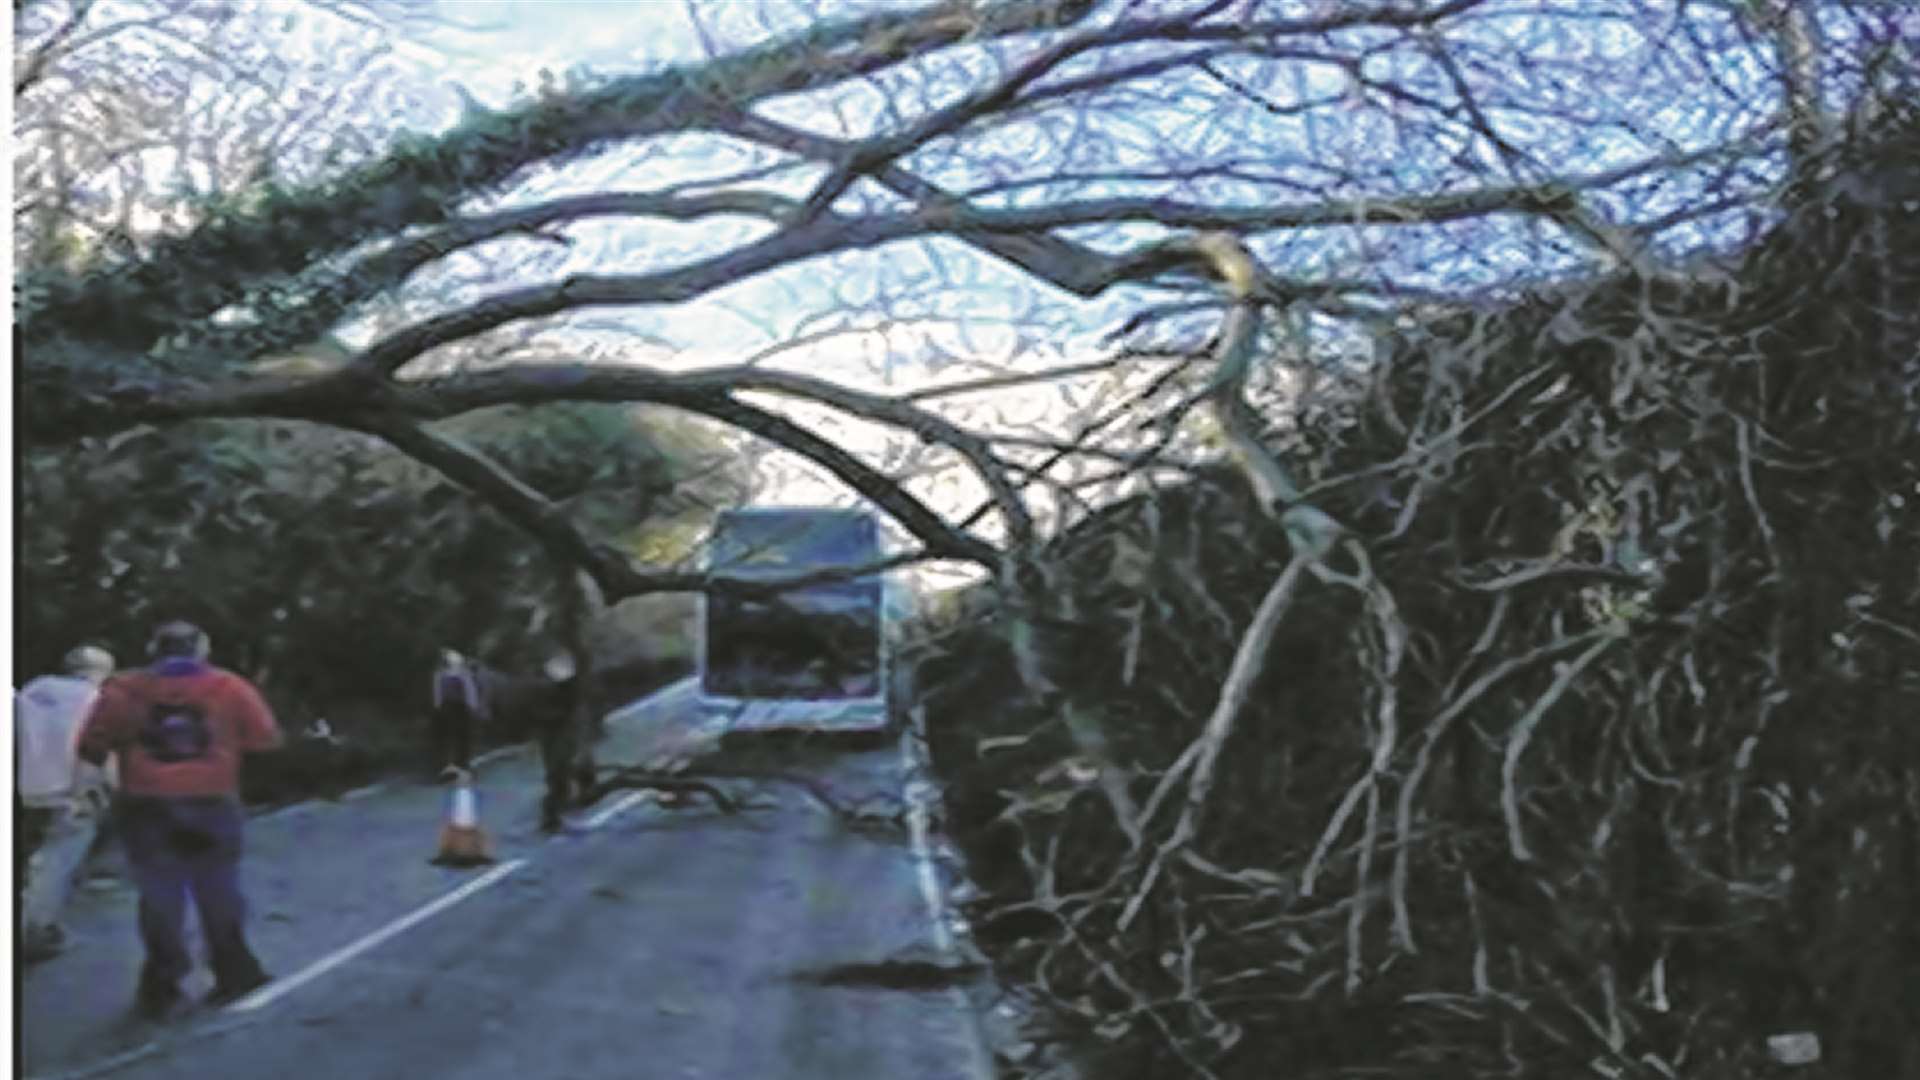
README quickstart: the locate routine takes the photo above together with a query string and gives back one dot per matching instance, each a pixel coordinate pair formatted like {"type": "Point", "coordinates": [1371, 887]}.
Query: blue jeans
{"type": "Point", "coordinates": [69, 834]}
{"type": "Point", "coordinates": [188, 845]}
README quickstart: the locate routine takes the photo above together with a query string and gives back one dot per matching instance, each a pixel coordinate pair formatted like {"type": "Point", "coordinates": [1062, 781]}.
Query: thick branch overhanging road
{"type": "Point", "coordinates": [134, 340]}
{"type": "Point", "coordinates": [293, 235]}
{"type": "Point", "coordinates": [193, 276]}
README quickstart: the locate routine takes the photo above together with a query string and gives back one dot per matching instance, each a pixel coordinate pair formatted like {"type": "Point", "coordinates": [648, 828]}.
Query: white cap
{"type": "Point", "coordinates": [89, 660]}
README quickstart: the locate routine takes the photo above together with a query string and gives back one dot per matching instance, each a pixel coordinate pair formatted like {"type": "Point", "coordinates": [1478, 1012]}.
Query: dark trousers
{"type": "Point", "coordinates": [566, 752]}
{"type": "Point", "coordinates": [453, 734]}
{"type": "Point", "coordinates": [181, 846]}
{"type": "Point", "coordinates": [559, 753]}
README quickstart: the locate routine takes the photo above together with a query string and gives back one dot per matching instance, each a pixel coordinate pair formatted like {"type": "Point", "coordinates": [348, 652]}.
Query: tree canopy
{"type": "Point", "coordinates": [1370, 154]}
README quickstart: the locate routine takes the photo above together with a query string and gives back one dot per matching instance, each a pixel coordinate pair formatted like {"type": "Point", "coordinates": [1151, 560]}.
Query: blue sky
{"type": "Point", "coordinates": [515, 38]}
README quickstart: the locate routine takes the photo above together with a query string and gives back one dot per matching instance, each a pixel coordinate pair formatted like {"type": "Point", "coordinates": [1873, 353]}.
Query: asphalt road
{"type": "Point", "coordinates": [652, 941]}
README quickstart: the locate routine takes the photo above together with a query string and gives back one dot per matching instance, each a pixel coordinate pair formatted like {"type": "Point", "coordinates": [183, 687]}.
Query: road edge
{"type": "Point", "coordinates": [951, 934]}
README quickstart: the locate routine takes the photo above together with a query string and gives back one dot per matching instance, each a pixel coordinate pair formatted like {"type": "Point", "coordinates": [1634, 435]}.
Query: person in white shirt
{"type": "Point", "coordinates": [62, 799]}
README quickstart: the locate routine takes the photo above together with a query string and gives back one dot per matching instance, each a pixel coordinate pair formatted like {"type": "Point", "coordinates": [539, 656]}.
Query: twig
{"type": "Point", "coordinates": [1249, 661]}
{"type": "Point", "coordinates": [641, 778]}
{"type": "Point", "coordinates": [1523, 734]}
{"type": "Point", "coordinates": [1753, 495]}
{"type": "Point", "coordinates": [700, 778]}
{"type": "Point", "coordinates": [1357, 916]}
{"type": "Point", "coordinates": [1888, 625]}
{"type": "Point", "coordinates": [1385, 739]}
{"type": "Point", "coordinates": [1169, 778]}
{"type": "Point", "coordinates": [872, 155]}
{"type": "Point", "coordinates": [1548, 569]}
{"type": "Point", "coordinates": [36, 65]}
{"type": "Point", "coordinates": [1022, 378]}
{"type": "Point", "coordinates": [1481, 986]}
{"type": "Point", "coordinates": [1443, 722]}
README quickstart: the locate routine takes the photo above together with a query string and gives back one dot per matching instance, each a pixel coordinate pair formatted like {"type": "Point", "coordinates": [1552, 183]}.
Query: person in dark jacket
{"type": "Point", "coordinates": [562, 715]}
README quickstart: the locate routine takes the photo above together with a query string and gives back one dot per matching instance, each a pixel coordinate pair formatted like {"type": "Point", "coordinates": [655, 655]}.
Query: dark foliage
{"type": "Point", "coordinates": [324, 566]}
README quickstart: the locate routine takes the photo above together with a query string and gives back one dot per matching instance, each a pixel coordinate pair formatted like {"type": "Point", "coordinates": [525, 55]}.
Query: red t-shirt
{"type": "Point", "coordinates": [179, 728]}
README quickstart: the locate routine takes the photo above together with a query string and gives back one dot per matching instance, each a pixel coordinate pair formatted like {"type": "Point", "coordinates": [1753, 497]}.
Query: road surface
{"type": "Point", "coordinates": [650, 941]}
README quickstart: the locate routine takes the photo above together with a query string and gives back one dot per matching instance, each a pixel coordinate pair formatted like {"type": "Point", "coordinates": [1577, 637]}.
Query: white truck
{"type": "Point", "coordinates": [818, 657]}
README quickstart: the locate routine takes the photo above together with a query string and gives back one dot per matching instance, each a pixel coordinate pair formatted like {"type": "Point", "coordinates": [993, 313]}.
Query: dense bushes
{"type": "Point", "coordinates": [325, 567]}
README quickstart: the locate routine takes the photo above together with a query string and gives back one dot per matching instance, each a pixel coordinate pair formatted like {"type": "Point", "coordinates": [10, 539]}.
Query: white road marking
{"type": "Point", "coordinates": [623, 803]}
{"type": "Point", "coordinates": [501, 751]}
{"type": "Point", "coordinates": [304, 805]}
{"type": "Point", "coordinates": [274, 991]}
{"type": "Point", "coordinates": [118, 1061]}
{"type": "Point", "coordinates": [917, 831]}
{"type": "Point", "coordinates": [267, 995]}
{"type": "Point", "coordinates": [918, 792]}
{"type": "Point", "coordinates": [289, 810]}
{"type": "Point", "coordinates": [978, 1064]}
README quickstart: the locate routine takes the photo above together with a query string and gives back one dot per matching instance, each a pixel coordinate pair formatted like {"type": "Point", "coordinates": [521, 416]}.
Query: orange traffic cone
{"type": "Point", "coordinates": [462, 841]}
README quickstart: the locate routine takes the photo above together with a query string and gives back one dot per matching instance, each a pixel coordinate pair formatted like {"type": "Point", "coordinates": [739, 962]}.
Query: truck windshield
{"type": "Point", "coordinates": [821, 642]}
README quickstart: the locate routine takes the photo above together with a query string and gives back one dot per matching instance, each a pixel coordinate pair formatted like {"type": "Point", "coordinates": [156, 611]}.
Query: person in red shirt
{"type": "Point", "coordinates": [178, 729]}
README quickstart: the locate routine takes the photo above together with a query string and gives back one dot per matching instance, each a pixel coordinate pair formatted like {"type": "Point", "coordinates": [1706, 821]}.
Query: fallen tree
{"type": "Point", "coordinates": [1591, 751]}
{"type": "Point", "coordinates": [1428, 610]}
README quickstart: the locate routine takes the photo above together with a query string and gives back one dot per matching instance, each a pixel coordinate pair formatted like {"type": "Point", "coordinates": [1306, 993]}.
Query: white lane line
{"type": "Point", "coordinates": [106, 1065]}
{"type": "Point", "coordinates": [919, 791]}
{"type": "Point", "coordinates": [499, 752]}
{"type": "Point", "coordinates": [274, 991]}
{"type": "Point", "coordinates": [917, 832]}
{"type": "Point", "coordinates": [304, 805]}
{"type": "Point", "coordinates": [278, 989]}
{"type": "Point", "coordinates": [620, 805]}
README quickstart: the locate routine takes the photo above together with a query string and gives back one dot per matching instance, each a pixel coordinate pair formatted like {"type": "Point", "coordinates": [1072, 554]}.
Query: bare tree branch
{"type": "Point", "coordinates": [133, 305]}
{"type": "Point", "coordinates": [529, 385]}
{"type": "Point", "coordinates": [873, 154]}
{"type": "Point", "coordinates": [617, 577]}
{"type": "Point", "coordinates": [31, 72]}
